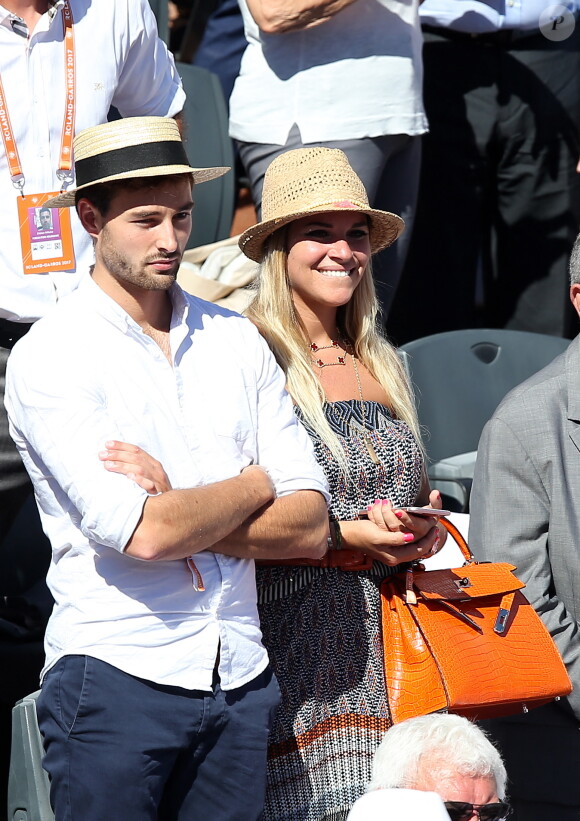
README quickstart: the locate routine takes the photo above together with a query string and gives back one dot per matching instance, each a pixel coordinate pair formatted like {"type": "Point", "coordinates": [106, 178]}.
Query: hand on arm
{"type": "Point", "coordinates": [179, 523]}
{"type": "Point", "coordinates": [135, 464]}
{"type": "Point", "coordinates": [293, 526]}
{"type": "Point", "coordinates": [280, 16]}
{"type": "Point", "coordinates": [237, 517]}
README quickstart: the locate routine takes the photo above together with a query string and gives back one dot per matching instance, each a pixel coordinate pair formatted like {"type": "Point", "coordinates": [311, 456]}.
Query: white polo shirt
{"type": "Point", "coordinates": [120, 61]}
{"type": "Point", "coordinates": [87, 373]}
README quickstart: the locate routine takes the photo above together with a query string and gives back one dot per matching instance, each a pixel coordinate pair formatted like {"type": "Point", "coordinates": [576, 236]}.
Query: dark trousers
{"type": "Point", "coordinates": [499, 192]}
{"type": "Point", "coordinates": [119, 747]}
{"type": "Point", "coordinates": [24, 557]}
{"type": "Point", "coordinates": [14, 482]}
{"type": "Point", "coordinates": [541, 751]}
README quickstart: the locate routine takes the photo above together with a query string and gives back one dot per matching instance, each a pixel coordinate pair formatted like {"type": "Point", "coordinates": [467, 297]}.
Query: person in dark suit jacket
{"type": "Point", "coordinates": [525, 508]}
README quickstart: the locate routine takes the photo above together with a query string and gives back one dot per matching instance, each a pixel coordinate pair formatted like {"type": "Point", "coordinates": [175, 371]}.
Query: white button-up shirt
{"type": "Point", "coordinates": [87, 373]}
{"type": "Point", "coordinates": [120, 61]}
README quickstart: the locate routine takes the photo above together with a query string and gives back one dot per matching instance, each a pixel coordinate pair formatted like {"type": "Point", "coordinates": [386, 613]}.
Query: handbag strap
{"type": "Point", "coordinates": [461, 543]}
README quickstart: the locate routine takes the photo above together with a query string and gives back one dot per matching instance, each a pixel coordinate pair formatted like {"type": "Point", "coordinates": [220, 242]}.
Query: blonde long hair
{"type": "Point", "coordinates": [273, 311]}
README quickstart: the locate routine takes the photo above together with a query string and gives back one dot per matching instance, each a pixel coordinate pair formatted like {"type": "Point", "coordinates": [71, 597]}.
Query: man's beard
{"type": "Point", "coordinates": [123, 270]}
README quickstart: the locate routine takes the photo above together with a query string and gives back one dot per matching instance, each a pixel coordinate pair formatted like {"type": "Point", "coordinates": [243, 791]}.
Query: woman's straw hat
{"type": "Point", "coordinates": [128, 148]}
{"type": "Point", "coordinates": [313, 181]}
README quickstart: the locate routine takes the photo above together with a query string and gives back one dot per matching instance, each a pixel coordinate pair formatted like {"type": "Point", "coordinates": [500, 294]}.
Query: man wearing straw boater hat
{"type": "Point", "coordinates": [156, 692]}
{"type": "Point", "coordinates": [63, 64]}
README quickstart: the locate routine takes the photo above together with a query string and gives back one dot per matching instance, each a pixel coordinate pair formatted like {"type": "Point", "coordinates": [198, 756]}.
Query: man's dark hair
{"type": "Point", "coordinates": [44, 210]}
{"type": "Point", "coordinates": [101, 194]}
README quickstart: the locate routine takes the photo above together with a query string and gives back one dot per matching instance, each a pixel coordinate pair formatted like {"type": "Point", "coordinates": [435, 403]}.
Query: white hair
{"type": "Point", "coordinates": [454, 745]}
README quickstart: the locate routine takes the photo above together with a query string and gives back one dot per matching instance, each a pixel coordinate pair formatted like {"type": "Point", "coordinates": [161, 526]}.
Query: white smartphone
{"type": "Point", "coordinates": [425, 511]}
{"type": "Point", "coordinates": [417, 511]}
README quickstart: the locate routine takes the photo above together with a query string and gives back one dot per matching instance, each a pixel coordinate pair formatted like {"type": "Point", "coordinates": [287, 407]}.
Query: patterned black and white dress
{"type": "Point", "coordinates": [322, 630]}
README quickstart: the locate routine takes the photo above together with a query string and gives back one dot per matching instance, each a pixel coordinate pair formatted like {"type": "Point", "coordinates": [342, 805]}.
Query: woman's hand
{"type": "Point", "coordinates": [394, 536]}
{"type": "Point", "coordinates": [386, 537]}
{"type": "Point", "coordinates": [407, 520]}
{"type": "Point", "coordinates": [136, 464]}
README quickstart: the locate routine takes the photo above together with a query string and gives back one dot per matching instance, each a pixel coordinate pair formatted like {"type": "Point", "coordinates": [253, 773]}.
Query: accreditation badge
{"type": "Point", "coordinates": [45, 235]}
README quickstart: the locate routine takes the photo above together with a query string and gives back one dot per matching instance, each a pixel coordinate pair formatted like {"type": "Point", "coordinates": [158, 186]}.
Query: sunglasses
{"type": "Point", "coordinates": [462, 811]}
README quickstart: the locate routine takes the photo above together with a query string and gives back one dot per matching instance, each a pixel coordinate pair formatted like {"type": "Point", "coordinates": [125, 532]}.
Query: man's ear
{"type": "Point", "coordinates": [90, 217]}
{"type": "Point", "coordinates": [575, 296]}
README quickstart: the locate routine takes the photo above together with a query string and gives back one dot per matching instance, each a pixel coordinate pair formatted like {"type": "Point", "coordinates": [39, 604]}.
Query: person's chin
{"type": "Point", "coordinates": [155, 281]}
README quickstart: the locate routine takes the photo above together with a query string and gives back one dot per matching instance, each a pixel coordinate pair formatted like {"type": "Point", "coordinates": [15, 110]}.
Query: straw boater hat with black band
{"type": "Point", "coordinates": [130, 148]}
{"type": "Point", "coordinates": [314, 181]}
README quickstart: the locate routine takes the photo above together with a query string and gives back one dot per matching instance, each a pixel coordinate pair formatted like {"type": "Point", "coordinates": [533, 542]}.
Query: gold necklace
{"type": "Point", "coordinates": [366, 435]}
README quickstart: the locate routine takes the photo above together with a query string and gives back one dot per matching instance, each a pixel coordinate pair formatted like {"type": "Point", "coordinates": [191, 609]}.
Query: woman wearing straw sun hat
{"type": "Point", "coordinates": [340, 74]}
{"type": "Point", "coordinates": [316, 306]}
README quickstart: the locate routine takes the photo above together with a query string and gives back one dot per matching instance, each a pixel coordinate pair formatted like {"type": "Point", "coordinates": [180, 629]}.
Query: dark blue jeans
{"type": "Point", "coordinates": [118, 747]}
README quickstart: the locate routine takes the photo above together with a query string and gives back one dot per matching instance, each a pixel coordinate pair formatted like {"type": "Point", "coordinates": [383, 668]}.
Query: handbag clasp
{"type": "Point", "coordinates": [501, 621]}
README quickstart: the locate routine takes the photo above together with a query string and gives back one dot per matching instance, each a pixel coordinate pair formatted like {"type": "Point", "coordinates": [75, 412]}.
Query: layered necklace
{"type": "Point", "coordinates": [334, 343]}
{"type": "Point", "coordinates": [341, 345]}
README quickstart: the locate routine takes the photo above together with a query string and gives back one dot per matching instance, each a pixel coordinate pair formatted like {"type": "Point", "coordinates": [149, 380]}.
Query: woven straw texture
{"type": "Point", "coordinates": [310, 181]}
{"type": "Point", "coordinates": [124, 133]}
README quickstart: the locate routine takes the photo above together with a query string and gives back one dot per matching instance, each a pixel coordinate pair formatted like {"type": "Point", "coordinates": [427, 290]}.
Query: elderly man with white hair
{"type": "Point", "coordinates": [446, 754]}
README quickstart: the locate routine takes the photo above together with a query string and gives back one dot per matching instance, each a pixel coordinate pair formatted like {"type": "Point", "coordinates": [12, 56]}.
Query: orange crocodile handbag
{"type": "Point", "coordinates": [466, 641]}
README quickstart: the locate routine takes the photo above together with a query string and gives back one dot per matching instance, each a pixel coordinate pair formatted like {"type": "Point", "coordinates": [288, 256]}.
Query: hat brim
{"type": "Point", "coordinates": [385, 229]}
{"type": "Point", "coordinates": [67, 198]}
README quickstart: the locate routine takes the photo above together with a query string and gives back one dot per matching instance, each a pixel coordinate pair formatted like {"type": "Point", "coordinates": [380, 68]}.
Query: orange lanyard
{"type": "Point", "coordinates": [64, 171]}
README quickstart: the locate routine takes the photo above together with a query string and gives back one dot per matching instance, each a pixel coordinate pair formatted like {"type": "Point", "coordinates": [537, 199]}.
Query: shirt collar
{"type": "Point", "coordinates": [180, 305]}
{"type": "Point", "coordinates": [110, 310]}
{"type": "Point", "coordinates": [6, 17]}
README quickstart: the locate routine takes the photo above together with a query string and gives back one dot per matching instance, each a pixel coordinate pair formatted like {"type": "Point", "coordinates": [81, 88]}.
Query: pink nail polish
{"type": "Point", "coordinates": [408, 537]}
{"type": "Point", "coordinates": [398, 514]}
{"type": "Point", "coordinates": [386, 501]}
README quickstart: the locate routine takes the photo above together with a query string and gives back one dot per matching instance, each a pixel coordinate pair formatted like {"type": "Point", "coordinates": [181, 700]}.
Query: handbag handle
{"type": "Point", "coordinates": [461, 543]}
